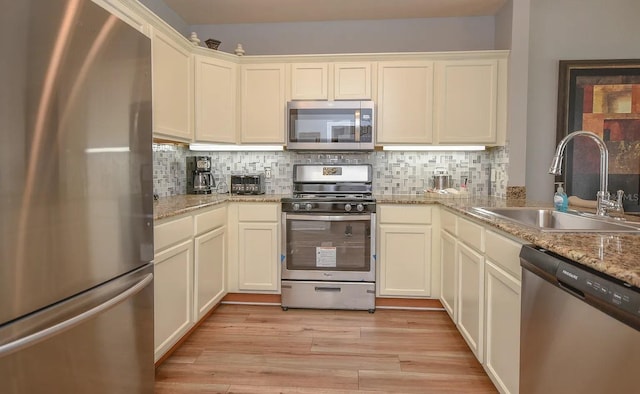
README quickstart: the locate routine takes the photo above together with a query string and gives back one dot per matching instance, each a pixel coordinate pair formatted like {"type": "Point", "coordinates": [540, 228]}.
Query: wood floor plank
{"type": "Point", "coordinates": [424, 383]}
{"type": "Point", "coordinates": [190, 388]}
{"type": "Point", "coordinates": [262, 349]}
{"type": "Point", "coordinates": [448, 362]}
{"type": "Point", "coordinates": [297, 390]}
{"type": "Point", "coordinates": [304, 360]}
{"type": "Point", "coordinates": [258, 375]}
{"type": "Point", "coordinates": [288, 330]}
{"type": "Point", "coordinates": [248, 343]}
{"type": "Point", "coordinates": [384, 346]}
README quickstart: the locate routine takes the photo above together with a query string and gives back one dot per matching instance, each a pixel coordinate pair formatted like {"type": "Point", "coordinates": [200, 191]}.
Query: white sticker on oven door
{"type": "Point", "coordinates": [325, 256]}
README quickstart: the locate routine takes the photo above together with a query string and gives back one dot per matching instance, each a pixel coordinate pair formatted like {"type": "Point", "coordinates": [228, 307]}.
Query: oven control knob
{"type": "Point", "coordinates": [308, 206]}
{"type": "Point", "coordinates": [360, 207]}
{"type": "Point", "coordinates": [296, 206]}
{"type": "Point", "coordinates": [347, 207]}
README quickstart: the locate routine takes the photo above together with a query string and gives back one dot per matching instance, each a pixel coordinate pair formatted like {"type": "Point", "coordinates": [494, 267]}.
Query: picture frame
{"type": "Point", "coordinates": [601, 96]}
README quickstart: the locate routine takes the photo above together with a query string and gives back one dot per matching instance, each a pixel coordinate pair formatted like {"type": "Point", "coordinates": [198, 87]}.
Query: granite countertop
{"type": "Point", "coordinates": [167, 207]}
{"type": "Point", "coordinates": [611, 253]}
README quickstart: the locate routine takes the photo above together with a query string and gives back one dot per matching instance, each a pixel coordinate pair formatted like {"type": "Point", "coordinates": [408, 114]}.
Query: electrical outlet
{"type": "Point", "coordinates": [267, 172]}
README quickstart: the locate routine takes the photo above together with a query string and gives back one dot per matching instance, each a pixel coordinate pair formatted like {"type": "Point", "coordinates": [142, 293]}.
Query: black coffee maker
{"type": "Point", "coordinates": [199, 176]}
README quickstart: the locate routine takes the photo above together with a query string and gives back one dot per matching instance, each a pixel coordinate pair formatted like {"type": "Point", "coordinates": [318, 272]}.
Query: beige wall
{"type": "Point", "coordinates": [399, 35]}
{"type": "Point", "coordinates": [568, 30]}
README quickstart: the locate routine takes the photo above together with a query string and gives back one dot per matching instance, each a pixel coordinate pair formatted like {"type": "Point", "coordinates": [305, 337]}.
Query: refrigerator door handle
{"type": "Point", "coordinates": [56, 329]}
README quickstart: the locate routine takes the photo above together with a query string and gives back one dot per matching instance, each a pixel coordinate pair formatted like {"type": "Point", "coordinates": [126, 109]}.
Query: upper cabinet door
{"type": "Point", "coordinates": [467, 101]}
{"type": "Point", "coordinates": [215, 105]}
{"type": "Point", "coordinates": [263, 103]}
{"type": "Point", "coordinates": [352, 81]}
{"type": "Point", "coordinates": [405, 102]}
{"type": "Point", "coordinates": [172, 88]}
{"type": "Point", "coordinates": [309, 81]}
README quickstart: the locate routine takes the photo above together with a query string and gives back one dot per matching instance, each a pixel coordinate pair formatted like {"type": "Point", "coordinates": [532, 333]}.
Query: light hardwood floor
{"type": "Point", "coordinates": [262, 349]}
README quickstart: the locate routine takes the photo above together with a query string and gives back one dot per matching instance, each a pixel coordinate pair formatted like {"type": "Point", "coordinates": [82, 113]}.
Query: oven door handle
{"type": "Point", "coordinates": [328, 288]}
{"type": "Point", "coordinates": [331, 218]}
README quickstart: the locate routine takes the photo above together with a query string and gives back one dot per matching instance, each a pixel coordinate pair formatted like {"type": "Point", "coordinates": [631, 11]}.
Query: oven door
{"type": "Point", "coordinates": [328, 247]}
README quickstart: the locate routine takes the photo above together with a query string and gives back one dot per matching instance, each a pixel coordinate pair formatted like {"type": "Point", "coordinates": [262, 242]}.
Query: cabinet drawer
{"type": "Point", "coordinates": [209, 220]}
{"type": "Point", "coordinates": [258, 212]}
{"type": "Point", "coordinates": [472, 234]}
{"type": "Point", "coordinates": [448, 222]}
{"type": "Point", "coordinates": [504, 252]}
{"type": "Point", "coordinates": [405, 214]}
{"type": "Point", "coordinates": [172, 232]}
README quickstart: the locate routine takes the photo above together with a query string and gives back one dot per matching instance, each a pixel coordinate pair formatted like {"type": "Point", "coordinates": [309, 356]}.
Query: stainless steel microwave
{"type": "Point", "coordinates": [330, 125]}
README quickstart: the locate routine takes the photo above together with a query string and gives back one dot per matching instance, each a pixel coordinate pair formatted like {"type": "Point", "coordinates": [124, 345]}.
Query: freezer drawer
{"type": "Point", "coordinates": [328, 295]}
{"type": "Point", "coordinates": [98, 342]}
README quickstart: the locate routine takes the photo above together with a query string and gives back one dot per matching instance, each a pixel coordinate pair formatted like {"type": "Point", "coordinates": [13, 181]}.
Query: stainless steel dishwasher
{"type": "Point", "coordinates": [579, 329]}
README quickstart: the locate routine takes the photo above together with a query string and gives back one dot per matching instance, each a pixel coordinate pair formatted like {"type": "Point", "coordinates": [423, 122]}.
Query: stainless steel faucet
{"type": "Point", "coordinates": [604, 202]}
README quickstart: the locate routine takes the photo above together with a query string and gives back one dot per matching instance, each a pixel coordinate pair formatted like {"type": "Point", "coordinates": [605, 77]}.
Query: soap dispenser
{"type": "Point", "coordinates": [560, 199]}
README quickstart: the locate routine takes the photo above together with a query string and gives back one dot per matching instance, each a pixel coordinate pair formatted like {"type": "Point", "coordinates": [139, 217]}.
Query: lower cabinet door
{"type": "Point", "coordinates": [502, 318]}
{"type": "Point", "coordinates": [471, 297]}
{"type": "Point", "coordinates": [405, 260]}
{"type": "Point", "coordinates": [448, 269]}
{"type": "Point", "coordinates": [210, 252]}
{"type": "Point", "coordinates": [258, 256]}
{"type": "Point", "coordinates": [173, 294]}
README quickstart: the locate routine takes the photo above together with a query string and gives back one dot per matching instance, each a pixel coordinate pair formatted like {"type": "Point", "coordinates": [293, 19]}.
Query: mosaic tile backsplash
{"type": "Point", "coordinates": [393, 172]}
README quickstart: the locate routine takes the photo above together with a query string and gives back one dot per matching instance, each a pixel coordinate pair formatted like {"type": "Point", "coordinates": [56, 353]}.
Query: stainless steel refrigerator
{"type": "Point", "coordinates": [76, 206]}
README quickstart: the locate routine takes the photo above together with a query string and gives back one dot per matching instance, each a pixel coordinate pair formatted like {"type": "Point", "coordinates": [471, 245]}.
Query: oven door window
{"type": "Point", "coordinates": [327, 245]}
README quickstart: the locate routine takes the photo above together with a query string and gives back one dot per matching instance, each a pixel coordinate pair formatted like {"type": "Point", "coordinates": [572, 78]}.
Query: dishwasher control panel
{"type": "Point", "coordinates": [584, 284]}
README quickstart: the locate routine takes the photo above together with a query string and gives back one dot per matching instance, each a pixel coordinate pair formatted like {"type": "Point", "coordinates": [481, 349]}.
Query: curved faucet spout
{"type": "Point", "coordinates": [556, 164]}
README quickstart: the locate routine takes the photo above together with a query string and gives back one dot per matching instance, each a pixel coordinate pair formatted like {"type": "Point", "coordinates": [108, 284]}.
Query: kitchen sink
{"type": "Point", "coordinates": [549, 220]}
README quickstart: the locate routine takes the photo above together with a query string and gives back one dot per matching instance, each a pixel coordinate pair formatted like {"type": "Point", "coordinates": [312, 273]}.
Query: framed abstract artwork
{"type": "Point", "coordinates": [601, 96]}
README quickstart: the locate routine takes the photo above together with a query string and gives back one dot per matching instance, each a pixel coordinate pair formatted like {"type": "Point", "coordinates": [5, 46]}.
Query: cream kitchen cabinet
{"type": "Point", "coordinates": [405, 258]}
{"type": "Point", "coordinates": [470, 100]}
{"type": "Point", "coordinates": [173, 282]}
{"type": "Point", "coordinates": [331, 81]}
{"type": "Point", "coordinates": [172, 69]}
{"type": "Point", "coordinates": [405, 102]}
{"type": "Point", "coordinates": [190, 259]}
{"type": "Point", "coordinates": [309, 81]}
{"type": "Point", "coordinates": [470, 284]}
{"type": "Point", "coordinates": [448, 253]}
{"type": "Point", "coordinates": [215, 100]}
{"type": "Point", "coordinates": [502, 311]}
{"type": "Point", "coordinates": [209, 259]}
{"type": "Point", "coordinates": [470, 270]}
{"type": "Point", "coordinates": [486, 294]}
{"type": "Point", "coordinates": [263, 103]}
{"type": "Point", "coordinates": [254, 247]}
{"type": "Point", "coordinates": [352, 80]}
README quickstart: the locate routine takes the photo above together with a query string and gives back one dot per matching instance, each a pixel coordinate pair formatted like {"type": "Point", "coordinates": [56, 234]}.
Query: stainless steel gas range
{"type": "Point", "coordinates": [328, 238]}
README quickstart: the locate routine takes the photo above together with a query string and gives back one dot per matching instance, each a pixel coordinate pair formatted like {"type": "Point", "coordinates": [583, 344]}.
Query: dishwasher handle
{"type": "Point", "coordinates": [570, 289]}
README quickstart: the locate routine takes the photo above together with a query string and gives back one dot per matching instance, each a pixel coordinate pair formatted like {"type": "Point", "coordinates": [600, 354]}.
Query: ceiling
{"type": "Point", "coordinates": [204, 12]}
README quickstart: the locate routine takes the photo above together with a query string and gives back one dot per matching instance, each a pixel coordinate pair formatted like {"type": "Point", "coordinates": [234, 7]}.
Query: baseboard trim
{"type": "Point", "coordinates": [252, 298]}
{"type": "Point", "coordinates": [409, 303]}
{"type": "Point", "coordinates": [382, 303]}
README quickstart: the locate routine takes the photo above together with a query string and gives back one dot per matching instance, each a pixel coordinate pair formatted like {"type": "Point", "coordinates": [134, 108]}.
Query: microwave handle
{"type": "Point", "coordinates": [356, 137]}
